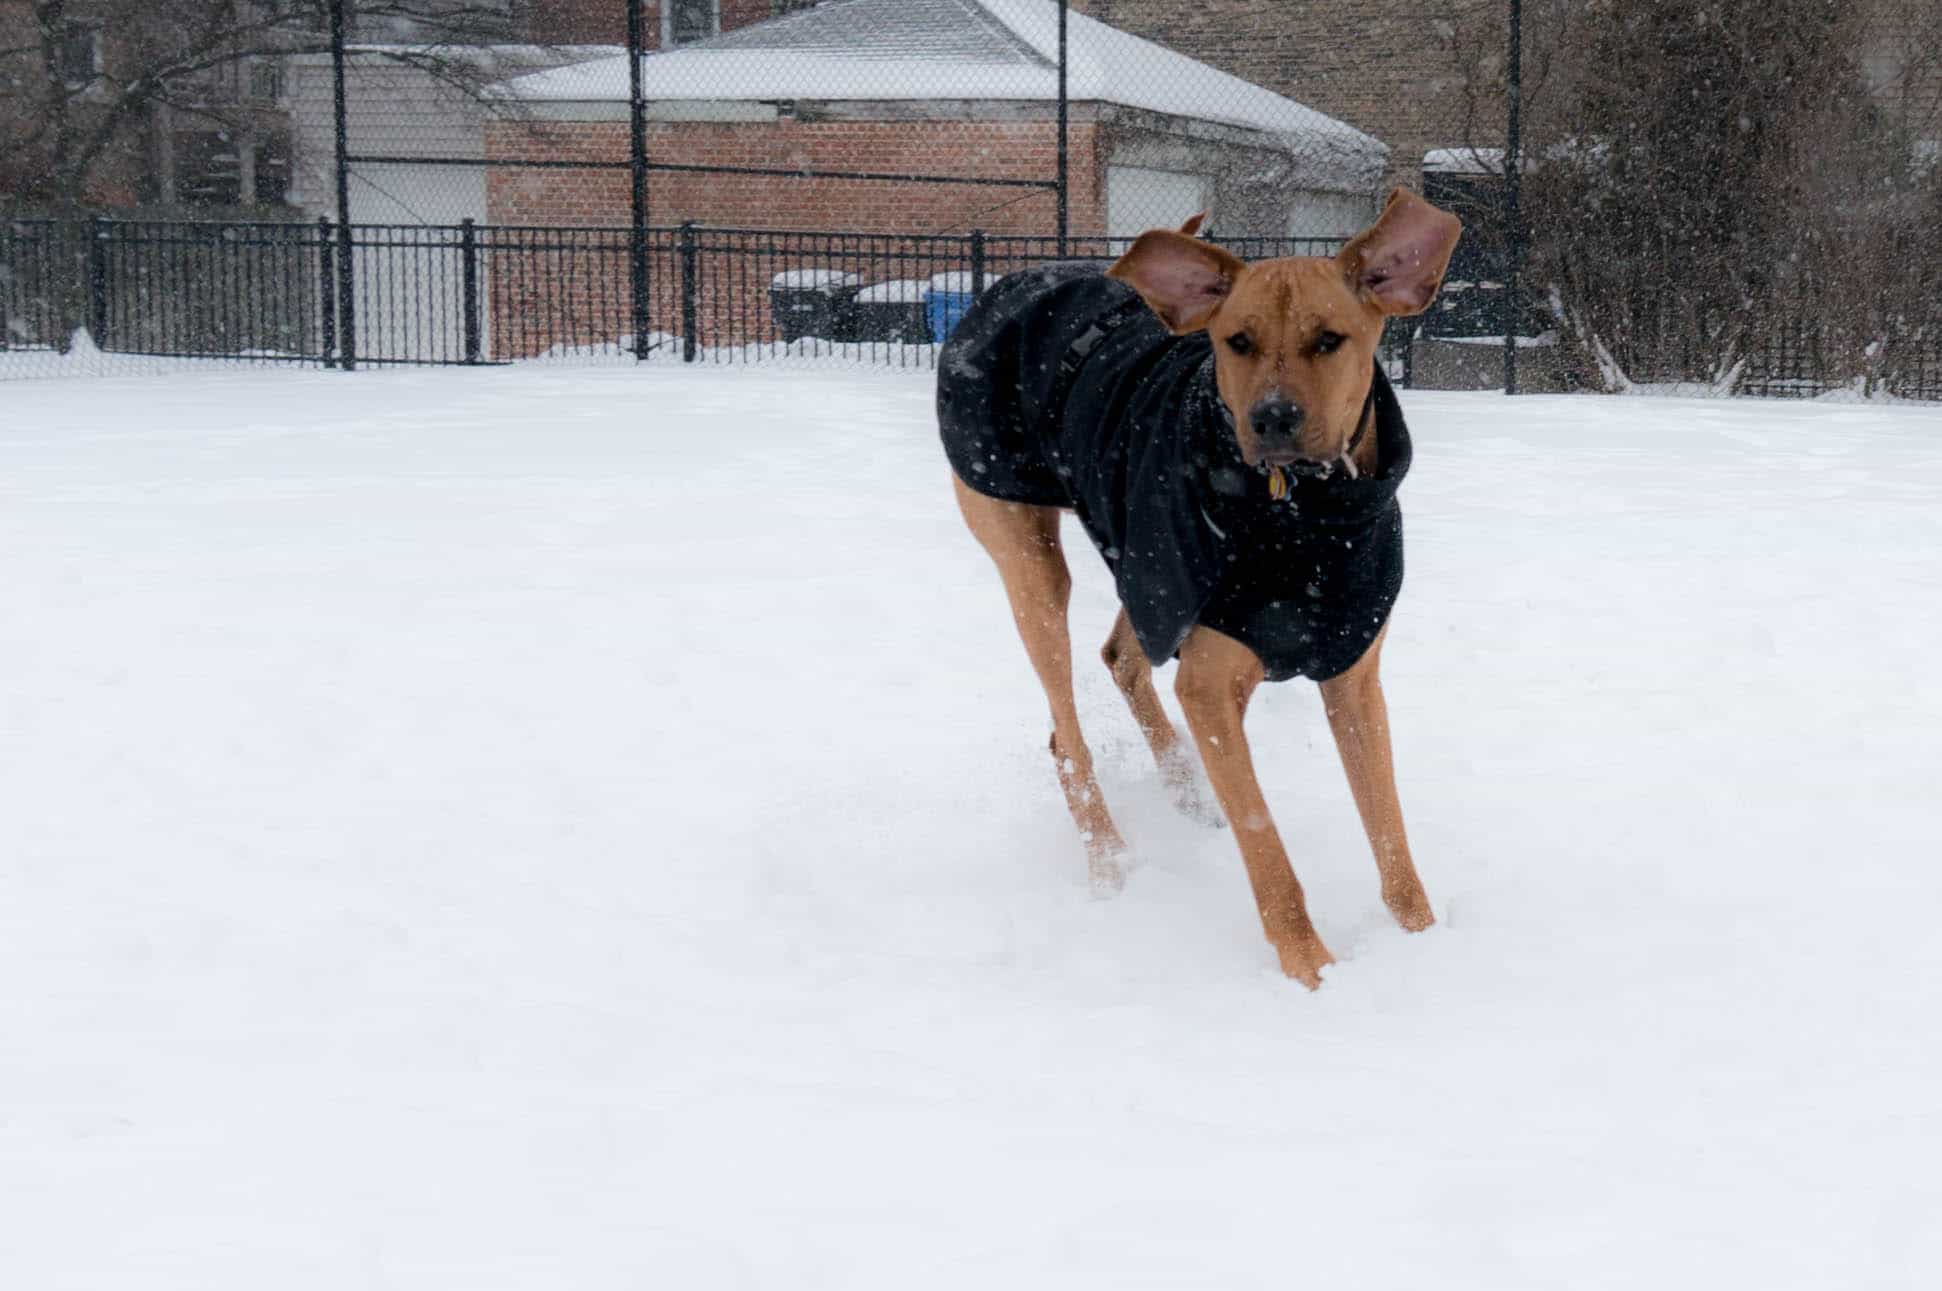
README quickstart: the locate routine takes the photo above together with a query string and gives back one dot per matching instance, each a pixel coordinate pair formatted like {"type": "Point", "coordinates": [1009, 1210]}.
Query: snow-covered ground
{"type": "Point", "coordinates": [580, 829]}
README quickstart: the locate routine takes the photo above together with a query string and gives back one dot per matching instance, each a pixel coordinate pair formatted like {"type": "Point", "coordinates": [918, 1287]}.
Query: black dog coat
{"type": "Point", "coordinates": [1060, 388]}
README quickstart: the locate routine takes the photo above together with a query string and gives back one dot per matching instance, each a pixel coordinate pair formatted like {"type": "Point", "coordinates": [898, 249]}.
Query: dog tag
{"type": "Point", "coordinates": [1277, 484]}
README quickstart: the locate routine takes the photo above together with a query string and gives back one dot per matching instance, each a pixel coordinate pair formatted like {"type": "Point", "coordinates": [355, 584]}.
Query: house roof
{"type": "Point", "coordinates": [1464, 161]}
{"type": "Point", "coordinates": [958, 49]}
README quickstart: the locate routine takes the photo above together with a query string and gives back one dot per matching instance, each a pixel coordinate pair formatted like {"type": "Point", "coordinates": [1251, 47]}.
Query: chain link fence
{"type": "Point", "coordinates": [766, 179]}
{"type": "Point", "coordinates": [502, 181]}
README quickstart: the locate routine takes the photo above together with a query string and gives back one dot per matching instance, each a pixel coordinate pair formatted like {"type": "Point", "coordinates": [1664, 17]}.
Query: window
{"type": "Point", "coordinates": [265, 80]}
{"type": "Point", "coordinates": [685, 21]}
{"type": "Point", "coordinates": [273, 169]}
{"type": "Point", "coordinates": [77, 54]}
{"type": "Point", "coordinates": [225, 169]}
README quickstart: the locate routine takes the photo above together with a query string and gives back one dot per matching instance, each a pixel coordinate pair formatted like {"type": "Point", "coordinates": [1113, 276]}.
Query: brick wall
{"type": "Point", "coordinates": [604, 22]}
{"type": "Point", "coordinates": [977, 149]}
{"type": "Point", "coordinates": [600, 198]}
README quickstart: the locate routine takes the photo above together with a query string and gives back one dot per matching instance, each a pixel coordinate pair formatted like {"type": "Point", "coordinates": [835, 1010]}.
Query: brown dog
{"type": "Point", "coordinates": [1293, 345]}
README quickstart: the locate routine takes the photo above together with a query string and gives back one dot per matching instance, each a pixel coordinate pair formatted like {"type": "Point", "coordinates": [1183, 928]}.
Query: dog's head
{"type": "Point", "coordinates": [1295, 339]}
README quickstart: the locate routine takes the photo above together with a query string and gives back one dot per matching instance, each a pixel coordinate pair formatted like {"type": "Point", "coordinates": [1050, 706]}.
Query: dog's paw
{"type": "Point", "coordinates": [1197, 805]}
{"type": "Point", "coordinates": [1304, 959]}
{"type": "Point", "coordinates": [1191, 797]}
{"type": "Point", "coordinates": [1105, 876]}
{"type": "Point", "coordinates": [1411, 907]}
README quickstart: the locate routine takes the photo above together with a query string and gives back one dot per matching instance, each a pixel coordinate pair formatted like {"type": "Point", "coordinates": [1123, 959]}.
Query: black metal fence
{"type": "Point", "coordinates": [468, 294]}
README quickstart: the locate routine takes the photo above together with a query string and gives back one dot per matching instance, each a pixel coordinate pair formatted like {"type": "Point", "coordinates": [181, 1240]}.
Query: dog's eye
{"type": "Point", "coordinates": [1240, 343]}
{"type": "Point", "coordinates": [1329, 342]}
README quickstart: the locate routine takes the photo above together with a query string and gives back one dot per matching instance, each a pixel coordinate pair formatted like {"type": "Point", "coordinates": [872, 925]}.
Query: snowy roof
{"type": "Point", "coordinates": [950, 49]}
{"type": "Point", "coordinates": [1490, 161]}
{"type": "Point", "coordinates": [1464, 161]}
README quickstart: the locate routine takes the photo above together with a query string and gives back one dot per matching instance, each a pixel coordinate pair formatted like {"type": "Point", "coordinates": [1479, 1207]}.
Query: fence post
{"type": "Point", "coordinates": [327, 288]}
{"type": "Point", "coordinates": [469, 253]}
{"type": "Point", "coordinates": [98, 281]}
{"type": "Point", "coordinates": [637, 160]}
{"type": "Point", "coordinates": [977, 262]}
{"type": "Point", "coordinates": [346, 274]}
{"type": "Point", "coordinates": [1513, 181]}
{"type": "Point", "coordinates": [689, 287]}
{"type": "Point", "coordinates": [1065, 165]}
{"type": "Point", "coordinates": [7, 257]}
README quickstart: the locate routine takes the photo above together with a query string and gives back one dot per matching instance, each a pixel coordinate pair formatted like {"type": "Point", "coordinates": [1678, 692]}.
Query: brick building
{"type": "Point", "coordinates": [665, 24]}
{"type": "Point", "coordinates": [927, 88]}
{"type": "Point", "coordinates": [74, 128]}
{"type": "Point", "coordinates": [933, 87]}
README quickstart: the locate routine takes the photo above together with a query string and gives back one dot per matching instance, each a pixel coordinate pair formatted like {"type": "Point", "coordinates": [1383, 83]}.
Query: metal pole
{"type": "Point", "coordinates": [1065, 206]}
{"type": "Point", "coordinates": [637, 157]}
{"type": "Point", "coordinates": [346, 305]}
{"type": "Point", "coordinates": [327, 289]}
{"type": "Point", "coordinates": [98, 232]}
{"type": "Point", "coordinates": [690, 289]}
{"type": "Point", "coordinates": [469, 290]}
{"type": "Point", "coordinates": [1513, 180]}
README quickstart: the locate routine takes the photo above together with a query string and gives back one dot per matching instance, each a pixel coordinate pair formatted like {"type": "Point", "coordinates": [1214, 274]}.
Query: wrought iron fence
{"type": "Point", "coordinates": [466, 294]}
{"type": "Point", "coordinates": [258, 291]}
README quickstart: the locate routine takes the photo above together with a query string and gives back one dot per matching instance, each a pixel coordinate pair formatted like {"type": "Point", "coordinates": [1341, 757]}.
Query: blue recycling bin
{"type": "Point", "coordinates": [947, 297]}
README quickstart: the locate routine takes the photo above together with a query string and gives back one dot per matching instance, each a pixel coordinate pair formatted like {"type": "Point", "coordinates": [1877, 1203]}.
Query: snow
{"type": "Point", "coordinates": [1543, 340]}
{"type": "Point", "coordinates": [901, 291]}
{"type": "Point", "coordinates": [800, 278]}
{"type": "Point", "coordinates": [1464, 161]}
{"type": "Point", "coordinates": [591, 828]}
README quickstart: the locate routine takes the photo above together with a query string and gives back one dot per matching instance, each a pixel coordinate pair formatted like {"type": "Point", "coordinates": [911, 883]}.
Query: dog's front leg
{"type": "Point", "coordinates": [1360, 720]}
{"type": "Point", "coordinates": [1217, 678]}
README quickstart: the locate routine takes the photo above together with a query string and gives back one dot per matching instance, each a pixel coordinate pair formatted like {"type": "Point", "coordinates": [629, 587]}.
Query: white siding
{"type": "Point", "coordinates": [1138, 199]}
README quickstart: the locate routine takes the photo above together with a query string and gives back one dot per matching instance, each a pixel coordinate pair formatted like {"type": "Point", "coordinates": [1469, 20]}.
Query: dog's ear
{"type": "Point", "coordinates": [1192, 226]}
{"type": "Point", "coordinates": [1397, 263]}
{"type": "Point", "coordinates": [1183, 279]}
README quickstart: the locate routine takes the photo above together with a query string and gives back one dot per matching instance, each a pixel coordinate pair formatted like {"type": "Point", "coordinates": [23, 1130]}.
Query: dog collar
{"type": "Point", "coordinates": [1280, 483]}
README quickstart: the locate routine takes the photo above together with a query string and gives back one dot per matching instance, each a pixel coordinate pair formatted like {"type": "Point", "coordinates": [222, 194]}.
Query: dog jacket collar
{"type": "Point", "coordinates": [1132, 435]}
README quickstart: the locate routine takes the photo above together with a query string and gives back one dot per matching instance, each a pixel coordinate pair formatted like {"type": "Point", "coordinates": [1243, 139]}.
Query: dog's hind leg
{"type": "Point", "coordinates": [1133, 674]}
{"type": "Point", "coordinates": [1023, 541]}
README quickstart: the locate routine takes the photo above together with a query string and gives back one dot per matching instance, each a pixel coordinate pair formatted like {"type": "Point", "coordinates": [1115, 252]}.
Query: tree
{"type": "Point", "coordinates": [1722, 181]}
{"type": "Point", "coordinates": [85, 85]}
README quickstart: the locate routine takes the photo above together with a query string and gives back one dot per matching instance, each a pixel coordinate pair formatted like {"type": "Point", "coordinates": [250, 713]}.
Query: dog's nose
{"type": "Point", "coordinates": [1277, 423]}
{"type": "Point", "coordinates": [1277, 419]}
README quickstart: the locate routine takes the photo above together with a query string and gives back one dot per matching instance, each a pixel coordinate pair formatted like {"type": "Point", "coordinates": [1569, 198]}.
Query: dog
{"type": "Point", "coordinates": [1232, 448]}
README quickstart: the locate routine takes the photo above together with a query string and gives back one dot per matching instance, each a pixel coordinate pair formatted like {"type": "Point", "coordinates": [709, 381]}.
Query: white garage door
{"type": "Point", "coordinates": [410, 275]}
{"type": "Point", "coordinates": [1138, 199]}
{"type": "Point", "coordinates": [1330, 215]}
